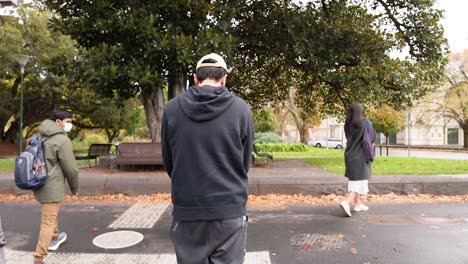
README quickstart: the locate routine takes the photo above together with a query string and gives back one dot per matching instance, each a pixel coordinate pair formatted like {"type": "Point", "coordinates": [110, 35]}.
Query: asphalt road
{"type": "Point", "coordinates": [388, 233]}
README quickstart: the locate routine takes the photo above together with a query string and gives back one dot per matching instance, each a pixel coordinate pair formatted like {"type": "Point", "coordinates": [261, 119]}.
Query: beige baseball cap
{"type": "Point", "coordinates": [219, 61]}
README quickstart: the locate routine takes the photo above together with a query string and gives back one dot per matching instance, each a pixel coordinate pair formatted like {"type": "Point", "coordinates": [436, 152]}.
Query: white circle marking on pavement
{"type": "Point", "coordinates": [118, 239]}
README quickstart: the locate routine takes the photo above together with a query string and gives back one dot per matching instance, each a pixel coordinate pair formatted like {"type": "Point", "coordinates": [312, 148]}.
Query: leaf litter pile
{"type": "Point", "coordinates": [264, 201]}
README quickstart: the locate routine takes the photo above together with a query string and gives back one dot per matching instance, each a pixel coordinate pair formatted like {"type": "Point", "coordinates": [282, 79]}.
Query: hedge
{"type": "Point", "coordinates": [268, 137]}
{"type": "Point", "coordinates": [281, 147]}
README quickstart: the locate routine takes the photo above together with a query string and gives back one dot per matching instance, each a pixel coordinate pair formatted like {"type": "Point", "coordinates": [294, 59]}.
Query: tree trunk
{"type": "Point", "coordinates": [282, 116]}
{"type": "Point", "coordinates": [11, 135]}
{"type": "Point", "coordinates": [153, 102]}
{"type": "Point", "coordinates": [465, 134]}
{"type": "Point", "coordinates": [111, 134]}
{"type": "Point", "coordinates": [177, 83]}
{"type": "Point", "coordinates": [304, 132]}
{"type": "Point", "coordinates": [301, 124]}
{"type": "Point", "coordinates": [3, 123]}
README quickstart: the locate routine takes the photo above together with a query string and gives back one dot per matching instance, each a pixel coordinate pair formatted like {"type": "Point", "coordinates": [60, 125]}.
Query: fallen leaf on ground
{"type": "Point", "coordinates": [262, 201]}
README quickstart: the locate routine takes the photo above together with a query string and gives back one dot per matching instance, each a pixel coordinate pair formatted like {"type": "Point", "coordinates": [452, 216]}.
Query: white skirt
{"type": "Point", "coordinates": [361, 187]}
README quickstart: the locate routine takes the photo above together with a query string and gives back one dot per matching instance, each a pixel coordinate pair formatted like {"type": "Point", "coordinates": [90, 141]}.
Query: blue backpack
{"type": "Point", "coordinates": [30, 167]}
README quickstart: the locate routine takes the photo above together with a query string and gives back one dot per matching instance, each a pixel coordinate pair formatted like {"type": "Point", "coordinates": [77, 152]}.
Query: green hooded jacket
{"type": "Point", "coordinates": [60, 163]}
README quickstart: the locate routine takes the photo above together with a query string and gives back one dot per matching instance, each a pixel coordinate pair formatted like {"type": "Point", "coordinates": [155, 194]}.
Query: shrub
{"type": "Point", "coordinates": [94, 138]}
{"type": "Point", "coordinates": [268, 137]}
{"type": "Point", "coordinates": [263, 121]}
{"type": "Point", "coordinates": [281, 147]}
{"type": "Point", "coordinates": [143, 132]}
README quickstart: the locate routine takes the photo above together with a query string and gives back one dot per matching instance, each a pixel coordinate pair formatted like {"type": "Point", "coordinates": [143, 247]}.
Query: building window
{"type": "Point", "coordinates": [452, 136]}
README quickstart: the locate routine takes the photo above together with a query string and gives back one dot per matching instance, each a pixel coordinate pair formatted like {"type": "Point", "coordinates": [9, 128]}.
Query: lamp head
{"type": "Point", "coordinates": [23, 59]}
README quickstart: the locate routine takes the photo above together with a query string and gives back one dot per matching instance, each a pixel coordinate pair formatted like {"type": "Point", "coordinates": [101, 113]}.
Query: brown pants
{"type": "Point", "coordinates": [49, 229]}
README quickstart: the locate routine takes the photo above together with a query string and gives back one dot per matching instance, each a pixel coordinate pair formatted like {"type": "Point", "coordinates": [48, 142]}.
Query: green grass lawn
{"type": "Point", "coordinates": [397, 165]}
{"type": "Point", "coordinates": [9, 164]}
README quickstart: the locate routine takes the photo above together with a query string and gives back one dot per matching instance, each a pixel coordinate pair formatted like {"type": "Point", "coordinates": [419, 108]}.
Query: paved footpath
{"type": "Point", "coordinates": [281, 176]}
{"type": "Point", "coordinates": [435, 233]}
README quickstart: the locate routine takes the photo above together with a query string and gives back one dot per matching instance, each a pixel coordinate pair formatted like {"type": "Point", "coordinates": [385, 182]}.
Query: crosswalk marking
{"type": "Point", "coordinates": [143, 214]}
{"type": "Point", "coordinates": [23, 257]}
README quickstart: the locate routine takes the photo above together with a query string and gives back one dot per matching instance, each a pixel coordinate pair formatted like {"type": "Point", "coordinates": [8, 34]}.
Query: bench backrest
{"type": "Point", "coordinates": [140, 149]}
{"type": "Point", "coordinates": [98, 149]}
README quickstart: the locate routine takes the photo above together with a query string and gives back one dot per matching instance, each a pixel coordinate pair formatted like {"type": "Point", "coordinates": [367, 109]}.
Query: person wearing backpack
{"type": "Point", "coordinates": [360, 136]}
{"type": "Point", "coordinates": [61, 167]}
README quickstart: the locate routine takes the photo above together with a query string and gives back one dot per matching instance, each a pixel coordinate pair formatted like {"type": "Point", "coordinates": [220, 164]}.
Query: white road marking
{"type": "Point", "coordinates": [143, 214]}
{"type": "Point", "coordinates": [118, 239]}
{"type": "Point", "coordinates": [23, 257]}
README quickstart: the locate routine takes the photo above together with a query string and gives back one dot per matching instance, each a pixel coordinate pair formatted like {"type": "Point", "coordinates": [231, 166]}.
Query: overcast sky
{"type": "Point", "coordinates": [455, 23]}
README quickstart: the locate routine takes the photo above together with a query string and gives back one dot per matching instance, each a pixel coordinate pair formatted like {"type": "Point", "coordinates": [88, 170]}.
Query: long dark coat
{"type": "Point", "coordinates": [357, 168]}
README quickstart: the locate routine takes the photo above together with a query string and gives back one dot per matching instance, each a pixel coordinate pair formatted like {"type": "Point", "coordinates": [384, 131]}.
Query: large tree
{"type": "Point", "coordinates": [455, 100]}
{"type": "Point", "coordinates": [335, 51]}
{"type": "Point", "coordinates": [52, 79]}
{"type": "Point", "coordinates": [135, 47]}
{"type": "Point", "coordinates": [450, 101]}
{"type": "Point", "coordinates": [27, 33]}
{"type": "Point", "coordinates": [387, 120]}
{"type": "Point", "coordinates": [373, 52]}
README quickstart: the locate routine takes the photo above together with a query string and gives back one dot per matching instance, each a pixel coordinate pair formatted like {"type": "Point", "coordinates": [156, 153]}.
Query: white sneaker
{"type": "Point", "coordinates": [345, 206]}
{"type": "Point", "coordinates": [54, 245]}
{"type": "Point", "coordinates": [360, 207]}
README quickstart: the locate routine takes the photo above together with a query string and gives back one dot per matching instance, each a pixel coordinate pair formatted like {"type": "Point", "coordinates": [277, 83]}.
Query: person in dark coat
{"type": "Point", "coordinates": [358, 170]}
{"type": "Point", "coordinates": [207, 138]}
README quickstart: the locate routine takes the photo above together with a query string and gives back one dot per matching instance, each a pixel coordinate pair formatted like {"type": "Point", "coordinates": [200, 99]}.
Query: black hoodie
{"type": "Point", "coordinates": [207, 136]}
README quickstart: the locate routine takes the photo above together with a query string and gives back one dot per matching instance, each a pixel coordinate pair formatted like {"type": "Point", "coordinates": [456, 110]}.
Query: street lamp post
{"type": "Point", "coordinates": [22, 59]}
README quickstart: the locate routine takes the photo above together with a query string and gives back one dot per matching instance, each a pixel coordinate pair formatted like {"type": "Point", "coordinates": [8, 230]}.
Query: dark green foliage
{"type": "Point", "coordinates": [332, 52]}
{"type": "Point", "coordinates": [264, 122]}
{"type": "Point", "coordinates": [137, 45]}
{"type": "Point", "coordinates": [336, 52]}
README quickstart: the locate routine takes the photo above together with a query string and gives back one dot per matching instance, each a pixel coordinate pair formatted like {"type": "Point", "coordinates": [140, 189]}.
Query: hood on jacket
{"type": "Point", "coordinates": [205, 103]}
{"type": "Point", "coordinates": [49, 127]}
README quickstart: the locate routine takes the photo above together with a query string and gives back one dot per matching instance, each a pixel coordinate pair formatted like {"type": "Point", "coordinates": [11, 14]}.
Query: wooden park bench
{"type": "Point", "coordinates": [138, 153]}
{"type": "Point", "coordinates": [260, 155]}
{"type": "Point", "coordinates": [94, 151]}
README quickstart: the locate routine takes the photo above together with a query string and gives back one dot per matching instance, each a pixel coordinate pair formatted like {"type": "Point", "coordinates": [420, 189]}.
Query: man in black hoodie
{"type": "Point", "coordinates": [207, 137]}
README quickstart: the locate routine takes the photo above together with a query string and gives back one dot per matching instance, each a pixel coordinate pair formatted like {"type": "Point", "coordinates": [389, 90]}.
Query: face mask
{"type": "Point", "coordinates": [67, 127]}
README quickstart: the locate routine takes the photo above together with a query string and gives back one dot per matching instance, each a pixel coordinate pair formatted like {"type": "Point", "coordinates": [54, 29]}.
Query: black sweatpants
{"type": "Point", "coordinates": [210, 242]}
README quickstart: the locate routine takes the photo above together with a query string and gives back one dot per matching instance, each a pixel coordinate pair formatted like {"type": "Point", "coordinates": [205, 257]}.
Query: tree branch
{"type": "Point", "coordinates": [399, 26]}
{"type": "Point", "coordinates": [463, 72]}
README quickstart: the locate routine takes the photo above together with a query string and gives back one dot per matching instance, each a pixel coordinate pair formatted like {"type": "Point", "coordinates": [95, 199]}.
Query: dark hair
{"type": "Point", "coordinates": [210, 73]}
{"type": "Point", "coordinates": [354, 115]}
{"type": "Point", "coordinates": [58, 113]}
